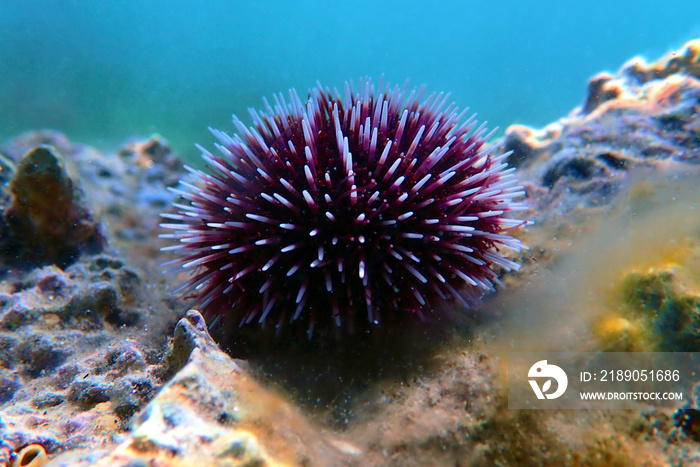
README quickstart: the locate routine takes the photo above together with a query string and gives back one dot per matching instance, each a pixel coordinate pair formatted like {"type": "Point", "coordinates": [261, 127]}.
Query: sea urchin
{"type": "Point", "coordinates": [353, 209]}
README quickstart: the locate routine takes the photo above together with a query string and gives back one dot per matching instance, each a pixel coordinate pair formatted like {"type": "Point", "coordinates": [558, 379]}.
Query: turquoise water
{"type": "Point", "coordinates": [102, 71]}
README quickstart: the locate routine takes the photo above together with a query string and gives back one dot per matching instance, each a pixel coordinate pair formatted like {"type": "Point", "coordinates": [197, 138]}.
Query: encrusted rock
{"type": "Point", "coordinates": [81, 335]}
{"type": "Point", "coordinates": [190, 333]}
{"type": "Point", "coordinates": [41, 354]}
{"type": "Point", "coordinates": [644, 116]}
{"type": "Point", "coordinates": [77, 360]}
{"type": "Point", "coordinates": [600, 90]}
{"type": "Point", "coordinates": [126, 190]}
{"type": "Point", "coordinates": [9, 384]}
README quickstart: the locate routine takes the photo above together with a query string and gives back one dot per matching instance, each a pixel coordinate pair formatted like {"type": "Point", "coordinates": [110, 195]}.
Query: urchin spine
{"type": "Point", "coordinates": [254, 162]}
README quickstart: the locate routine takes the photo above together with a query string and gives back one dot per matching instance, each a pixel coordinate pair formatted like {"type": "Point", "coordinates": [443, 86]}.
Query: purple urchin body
{"type": "Point", "coordinates": [353, 208]}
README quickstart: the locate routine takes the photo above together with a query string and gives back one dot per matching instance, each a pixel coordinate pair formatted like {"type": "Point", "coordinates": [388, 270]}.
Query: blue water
{"type": "Point", "coordinates": [102, 71]}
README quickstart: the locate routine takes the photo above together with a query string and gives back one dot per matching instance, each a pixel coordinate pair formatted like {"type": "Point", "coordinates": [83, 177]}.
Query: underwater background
{"type": "Point", "coordinates": [105, 71]}
{"type": "Point", "coordinates": [104, 361]}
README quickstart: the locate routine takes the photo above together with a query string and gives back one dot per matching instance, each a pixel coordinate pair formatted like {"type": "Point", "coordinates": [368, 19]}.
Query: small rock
{"type": "Point", "coordinates": [601, 88]}
{"type": "Point", "coordinates": [190, 333]}
{"type": "Point", "coordinates": [46, 220]}
{"type": "Point", "coordinates": [7, 346]}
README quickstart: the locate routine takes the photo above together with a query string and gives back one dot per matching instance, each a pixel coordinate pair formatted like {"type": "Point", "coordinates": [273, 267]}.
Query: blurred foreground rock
{"type": "Point", "coordinates": [213, 413]}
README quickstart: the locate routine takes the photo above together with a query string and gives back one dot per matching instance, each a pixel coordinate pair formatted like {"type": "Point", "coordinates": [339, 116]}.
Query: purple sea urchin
{"type": "Point", "coordinates": [352, 209]}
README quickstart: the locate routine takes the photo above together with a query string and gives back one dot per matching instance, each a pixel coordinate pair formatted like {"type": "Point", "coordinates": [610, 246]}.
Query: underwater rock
{"type": "Point", "coordinates": [600, 90]}
{"type": "Point", "coordinates": [124, 189]}
{"type": "Point", "coordinates": [85, 296]}
{"type": "Point", "coordinates": [523, 144]}
{"type": "Point", "coordinates": [77, 360]}
{"type": "Point", "coordinates": [41, 354]}
{"type": "Point", "coordinates": [190, 333]}
{"type": "Point", "coordinates": [15, 148]}
{"type": "Point", "coordinates": [688, 420]}
{"type": "Point", "coordinates": [80, 344]}
{"type": "Point", "coordinates": [9, 384]}
{"type": "Point", "coordinates": [154, 156]}
{"type": "Point", "coordinates": [212, 412]}
{"type": "Point", "coordinates": [46, 220]}
{"type": "Point", "coordinates": [685, 61]}
{"type": "Point", "coordinates": [644, 116]}
{"type": "Point", "coordinates": [641, 270]}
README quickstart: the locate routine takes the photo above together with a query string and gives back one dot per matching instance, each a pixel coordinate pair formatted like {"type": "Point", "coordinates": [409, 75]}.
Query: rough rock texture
{"type": "Point", "coordinates": [75, 349]}
{"type": "Point", "coordinates": [94, 370]}
{"type": "Point", "coordinates": [83, 326]}
{"type": "Point", "coordinates": [662, 315]}
{"type": "Point", "coordinates": [645, 116]}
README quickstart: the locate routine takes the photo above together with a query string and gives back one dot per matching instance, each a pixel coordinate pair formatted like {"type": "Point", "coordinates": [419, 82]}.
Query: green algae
{"type": "Point", "coordinates": [669, 314]}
